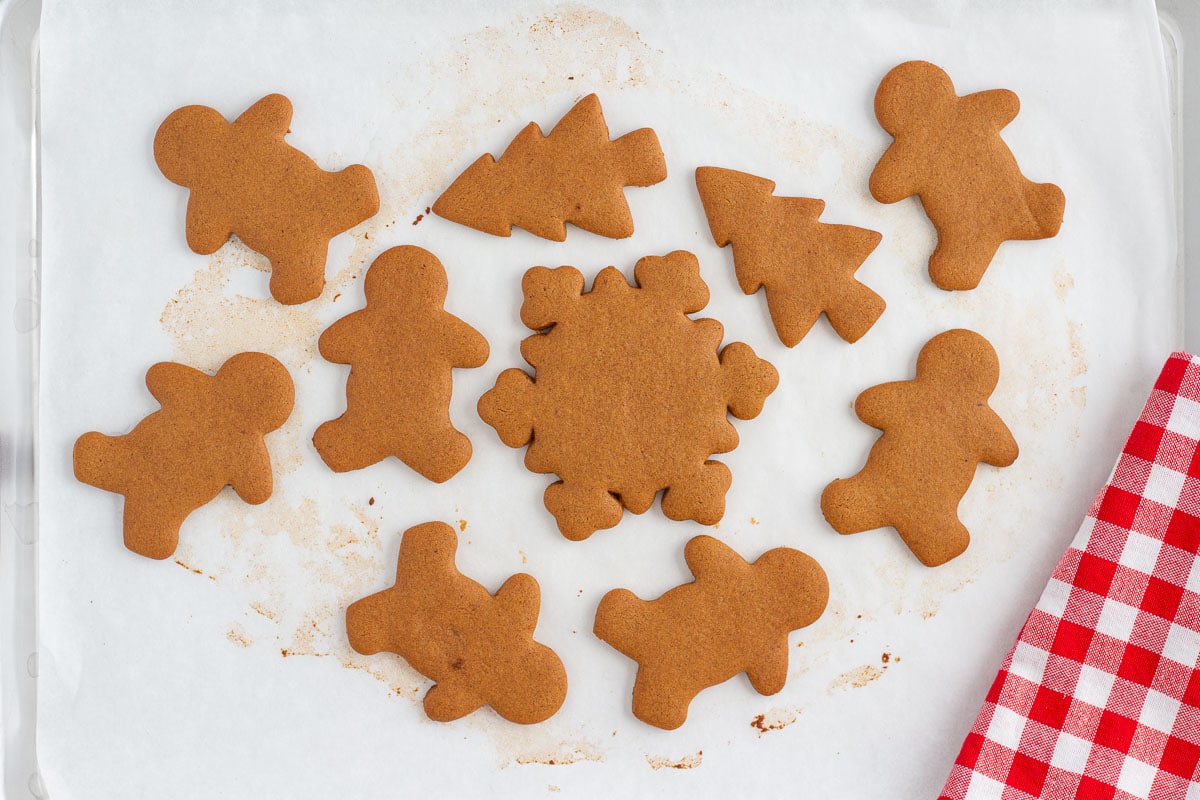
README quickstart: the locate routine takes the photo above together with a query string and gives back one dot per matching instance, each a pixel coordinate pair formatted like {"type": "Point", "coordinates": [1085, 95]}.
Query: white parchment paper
{"type": "Point", "coordinates": [225, 672]}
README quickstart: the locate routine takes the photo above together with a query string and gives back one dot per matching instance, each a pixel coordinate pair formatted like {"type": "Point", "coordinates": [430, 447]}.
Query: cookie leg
{"type": "Point", "coordinates": [445, 702]}
{"type": "Point", "coordinates": [960, 261]}
{"type": "Point", "coordinates": [700, 495]}
{"type": "Point", "coordinates": [658, 700]}
{"type": "Point", "coordinates": [582, 509]}
{"type": "Point", "coordinates": [935, 539]}
{"type": "Point", "coordinates": [151, 527]}
{"type": "Point", "coordinates": [345, 444]}
{"type": "Point", "coordinates": [298, 276]}
{"type": "Point", "coordinates": [851, 505]}
{"type": "Point", "coordinates": [440, 455]}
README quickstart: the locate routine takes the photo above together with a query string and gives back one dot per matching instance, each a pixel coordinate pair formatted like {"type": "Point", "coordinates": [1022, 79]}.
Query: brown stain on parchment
{"type": "Point", "coordinates": [774, 720]}
{"type": "Point", "coordinates": [237, 635]}
{"type": "Point", "coordinates": [687, 762]}
{"type": "Point", "coordinates": [562, 754]}
{"type": "Point", "coordinates": [857, 678]}
{"type": "Point", "coordinates": [208, 323]}
{"type": "Point", "coordinates": [195, 571]}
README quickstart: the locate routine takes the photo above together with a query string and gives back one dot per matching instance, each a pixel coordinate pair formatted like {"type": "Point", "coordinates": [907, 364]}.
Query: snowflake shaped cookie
{"type": "Point", "coordinates": [630, 396]}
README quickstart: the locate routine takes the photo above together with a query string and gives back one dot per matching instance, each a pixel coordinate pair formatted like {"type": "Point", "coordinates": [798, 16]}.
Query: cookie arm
{"type": "Point", "coordinates": [997, 445]}
{"type": "Point", "coordinates": [883, 405]}
{"type": "Point", "coordinates": [273, 113]}
{"type": "Point", "coordinates": [706, 555]}
{"type": "Point", "coordinates": [207, 226]}
{"type": "Point", "coordinates": [251, 479]}
{"type": "Point", "coordinates": [465, 346]}
{"type": "Point", "coordinates": [172, 383]}
{"type": "Point", "coordinates": [895, 177]}
{"type": "Point", "coordinates": [998, 106]}
{"type": "Point", "coordinates": [518, 601]}
{"type": "Point", "coordinates": [339, 342]}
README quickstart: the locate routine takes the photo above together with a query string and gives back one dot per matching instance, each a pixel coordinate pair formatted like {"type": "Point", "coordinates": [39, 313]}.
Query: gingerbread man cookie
{"type": "Point", "coordinates": [936, 430]}
{"type": "Point", "coordinates": [735, 617]}
{"type": "Point", "coordinates": [630, 395]}
{"type": "Point", "coordinates": [948, 151]}
{"type": "Point", "coordinates": [400, 349]}
{"type": "Point", "coordinates": [540, 183]}
{"type": "Point", "coordinates": [207, 435]}
{"type": "Point", "coordinates": [245, 180]}
{"type": "Point", "coordinates": [477, 648]}
{"type": "Point", "coordinates": [805, 266]}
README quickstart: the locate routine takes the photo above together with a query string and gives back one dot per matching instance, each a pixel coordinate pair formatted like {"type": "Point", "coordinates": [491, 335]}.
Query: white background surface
{"type": "Point", "coordinates": [160, 681]}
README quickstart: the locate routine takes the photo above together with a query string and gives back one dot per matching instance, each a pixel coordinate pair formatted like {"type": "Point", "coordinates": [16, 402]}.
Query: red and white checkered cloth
{"type": "Point", "coordinates": [1100, 696]}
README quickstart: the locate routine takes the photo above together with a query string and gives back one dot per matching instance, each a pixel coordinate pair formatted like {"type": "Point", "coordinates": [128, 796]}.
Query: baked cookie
{"type": "Point", "coordinates": [780, 245]}
{"type": "Point", "coordinates": [735, 617]}
{"type": "Point", "coordinates": [936, 429]}
{"type": "Point", "coordinates": [948, 151]}
{"type": "Point", "coordinates": [207, 435]}
{"type": "Point", "coordinates": [574, 175]}
{"type": "Point", "coordinates": [477, 648]}
{"type": "Point", "coordinates": [629, 395]}
{"type": "Point", "coordinates": [246, 180]}
{"type": "Point", "coordinates": [401, 349]}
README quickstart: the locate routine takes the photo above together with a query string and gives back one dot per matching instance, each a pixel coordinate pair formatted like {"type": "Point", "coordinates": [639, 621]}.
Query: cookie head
{"type": "Point", "coordinates": [260, 386]}
{"type": "Point", "coordinates": [409, 274]}
{"type": "Point", "coordinates": [181, 140]}
{"type": "Point", "coordinates": [962, 358]}
{"type": "Point", "coordinates": [796, 584]}
{"type": "Point", "coordinates": [910, 92]}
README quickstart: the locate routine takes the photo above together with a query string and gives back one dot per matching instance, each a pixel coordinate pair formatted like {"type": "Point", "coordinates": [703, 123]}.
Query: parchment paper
{"type": "Point", "coordinates": [225, 671]}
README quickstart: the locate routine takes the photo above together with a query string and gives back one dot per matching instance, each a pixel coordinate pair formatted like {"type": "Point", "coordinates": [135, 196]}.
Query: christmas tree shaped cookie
{"type": "Point", "coordinates": [208, 434]}
{"type": "Point", "coordinates": [936, 428]}
{"type": "Point", "coordinates": [780, 245]}
{"type": "Point", "coordinates": [735, 617]}
{"type": "Point", "coordinates": [246, 180]}
{"type": "Point", "coordinates": [630, 395]}
{"type": "Point", "coordinates": [476, 647]}
{"type": "Point", "coordinates": [948, 151]}
{"type": "Point", "coordinates": [540, 183]}
{"type": "Point", "coordinates": [400, 349]}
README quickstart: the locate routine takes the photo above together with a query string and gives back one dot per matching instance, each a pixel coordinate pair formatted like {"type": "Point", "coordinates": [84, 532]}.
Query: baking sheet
{"type": "Point", "coordinates": [226, 670]}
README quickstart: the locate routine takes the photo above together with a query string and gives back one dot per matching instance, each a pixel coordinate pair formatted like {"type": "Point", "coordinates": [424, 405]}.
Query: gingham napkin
{"type": "Point", "coordinates": [1100, 696]}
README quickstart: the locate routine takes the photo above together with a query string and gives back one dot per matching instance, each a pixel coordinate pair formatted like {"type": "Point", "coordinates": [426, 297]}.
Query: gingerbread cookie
{"type": "Point", "coordinates": [948, 151]}
{"type": "Point", "coordinates": [629, 395]}
{"type": "Point", "coordinates": [936, 430]}
{"type": "Point", "coordinates": [779, 244]}
{"type": "Point", "coordinates": [735, 617]}
{"type": "Point", "coordinates": [573, 175]}
{"type": "Point", "coordinates": [400, 349]}
{"type": "Point", "coordinates": [207, 435]}
{"type": "Point", "coordinates": [245, 180]}
{"type": "Point", "coordinates": [478, 649]}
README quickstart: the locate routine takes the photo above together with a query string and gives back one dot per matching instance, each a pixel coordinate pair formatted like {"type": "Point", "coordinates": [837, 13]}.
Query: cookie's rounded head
{"type": "Point", "coordinates": [963, 359]}
{"type": "Point", "coordinates": [407, 274]}
{"type": "Point", "coordinates": [260, 386]}
{"type": "Point", "coordinates": [795, 584]}
{"type": "Point", "coordinates": [542, 683]}
{"type": "Point", "coordinates": [911, 91]}
{"type": "Point", "coordinates": [181, 140]}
